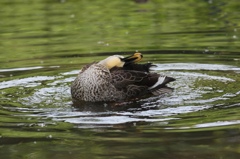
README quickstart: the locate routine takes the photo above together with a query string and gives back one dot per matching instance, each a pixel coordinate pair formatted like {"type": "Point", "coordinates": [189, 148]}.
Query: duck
{"type": "Point", "coordinates": [118, 78]}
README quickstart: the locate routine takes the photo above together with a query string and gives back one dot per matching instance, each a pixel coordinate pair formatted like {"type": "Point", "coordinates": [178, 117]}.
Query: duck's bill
{"type": "Point", "coordinates": [136, 57]}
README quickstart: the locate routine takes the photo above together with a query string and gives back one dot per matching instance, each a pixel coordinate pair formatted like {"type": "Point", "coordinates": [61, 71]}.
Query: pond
{"type": "Point", "coordinates": [44, 44]}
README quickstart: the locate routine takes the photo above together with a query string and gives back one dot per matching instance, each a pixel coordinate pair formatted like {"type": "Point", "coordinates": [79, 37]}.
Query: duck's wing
{"type": "Point", "coordinates": [136, 83]}
{"type": "Point", "coordinates": [129, 82]}
{"type": "Point", "coordinates": [132, 74]}
{"type": "Point", "coordinates": [123, 78]}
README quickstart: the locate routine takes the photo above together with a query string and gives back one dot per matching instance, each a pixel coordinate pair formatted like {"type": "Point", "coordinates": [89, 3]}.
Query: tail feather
{"type": "Point", "coordinates": [161, 82]}
{"type": "Point", "coordinates": [167, 80]}
{"type": "Point", "coordinates": [160, 88]}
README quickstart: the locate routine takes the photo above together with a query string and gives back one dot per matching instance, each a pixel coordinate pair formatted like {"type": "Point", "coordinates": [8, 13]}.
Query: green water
{"type": "Point", "coordinates": [44, 44]}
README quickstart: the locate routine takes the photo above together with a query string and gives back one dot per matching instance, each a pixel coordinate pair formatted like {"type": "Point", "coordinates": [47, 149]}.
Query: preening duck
{"type": "Point", "coordinates": [118, 78]}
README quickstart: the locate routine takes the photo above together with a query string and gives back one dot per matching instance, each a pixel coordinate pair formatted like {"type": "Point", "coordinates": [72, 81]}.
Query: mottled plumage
{"type": "Point", "coordinates": [118, 79]}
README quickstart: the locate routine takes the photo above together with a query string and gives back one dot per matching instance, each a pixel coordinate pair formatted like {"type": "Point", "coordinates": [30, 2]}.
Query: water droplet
{"type": "Point", "coordinates": [72, 16]}
{"type": "Point", "coordinates": [100, 42]}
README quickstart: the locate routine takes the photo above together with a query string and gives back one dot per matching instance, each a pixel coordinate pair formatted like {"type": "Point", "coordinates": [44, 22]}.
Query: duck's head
{"type": "Point", "coordinates": [120, 61]}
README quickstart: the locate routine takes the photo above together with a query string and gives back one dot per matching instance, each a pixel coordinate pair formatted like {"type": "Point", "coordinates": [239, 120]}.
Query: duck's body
{"type": "Point", "coordinates": [118, 79]}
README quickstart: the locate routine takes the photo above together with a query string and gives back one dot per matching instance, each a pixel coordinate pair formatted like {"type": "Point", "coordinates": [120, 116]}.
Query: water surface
{"type": "Point", "coordinates": [44, 44]}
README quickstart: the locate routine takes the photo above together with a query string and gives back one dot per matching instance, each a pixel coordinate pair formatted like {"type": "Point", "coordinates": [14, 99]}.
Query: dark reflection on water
{"type": "Point", "coordinates": [46, 28]}
{"type": "Point", "coordinates": [200, 118]}
{"type": "Point", "coordinates": [103, 107]}
{"type": "Point", "coordinates": [44, 44]}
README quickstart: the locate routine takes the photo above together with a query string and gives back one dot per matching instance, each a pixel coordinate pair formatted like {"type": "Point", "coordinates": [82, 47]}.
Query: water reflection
{"type": "Point", "coordinates": [50, 29]}
{"type": "Point", "coordinates": [44, 44]}
{"type": "Point", "coordinates": [194, 91]}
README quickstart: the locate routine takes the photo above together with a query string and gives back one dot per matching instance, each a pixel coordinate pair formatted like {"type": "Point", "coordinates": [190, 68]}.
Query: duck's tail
{"type": "Point", "coordinates": [160, 87]}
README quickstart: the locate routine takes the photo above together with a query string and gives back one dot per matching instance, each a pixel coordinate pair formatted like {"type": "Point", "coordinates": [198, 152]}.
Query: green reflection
{"type": "Point", "coordinates": [37, 30]}
{"type": "Point", "coordinates": [67, 34]}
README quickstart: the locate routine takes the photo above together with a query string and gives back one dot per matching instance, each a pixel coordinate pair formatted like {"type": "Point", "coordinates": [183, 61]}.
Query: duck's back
{"type": "Point", "coordinates": [94, 84]}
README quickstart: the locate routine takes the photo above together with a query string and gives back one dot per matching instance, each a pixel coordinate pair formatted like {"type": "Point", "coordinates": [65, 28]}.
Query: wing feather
{"type": "Point", "coordinates": [136, 80]}
{"type": "Point", "coordinates": [123, 78]}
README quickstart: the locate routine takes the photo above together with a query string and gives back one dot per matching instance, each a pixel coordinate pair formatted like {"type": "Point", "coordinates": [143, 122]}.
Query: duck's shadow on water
{"type": "Point", "coordinates": [104, 106]}
{"type": "Point", "coordinates": [89, 114]}
{"type": "Point", "coordinates": [134, 105]}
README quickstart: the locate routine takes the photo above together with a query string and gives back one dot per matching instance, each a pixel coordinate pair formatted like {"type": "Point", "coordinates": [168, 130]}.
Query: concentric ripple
{"type": "Point", "coordinates": [198, 87]}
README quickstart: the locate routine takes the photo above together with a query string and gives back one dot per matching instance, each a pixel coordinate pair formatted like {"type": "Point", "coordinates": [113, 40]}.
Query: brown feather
{"type": "Point", "coordinates": [135, 79]}
{"type": "Point", "coordinates": [87, 66]}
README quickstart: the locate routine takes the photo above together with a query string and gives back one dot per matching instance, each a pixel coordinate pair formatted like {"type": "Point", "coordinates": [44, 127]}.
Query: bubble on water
{"type": "Point", "coordinates": [72, 16]}
{"type": "Point", "coordinates": [100, 42]}
{"type": "Point", "coordinates": [49, 136]}
{"type": "Point", "coordinates": [206, 50]}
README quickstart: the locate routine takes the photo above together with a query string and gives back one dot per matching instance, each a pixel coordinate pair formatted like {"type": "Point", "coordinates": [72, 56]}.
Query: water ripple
{"type": "Point", "coordinates": [195, 66]}
{"type": "Point", "coordinates": [53, 99]}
